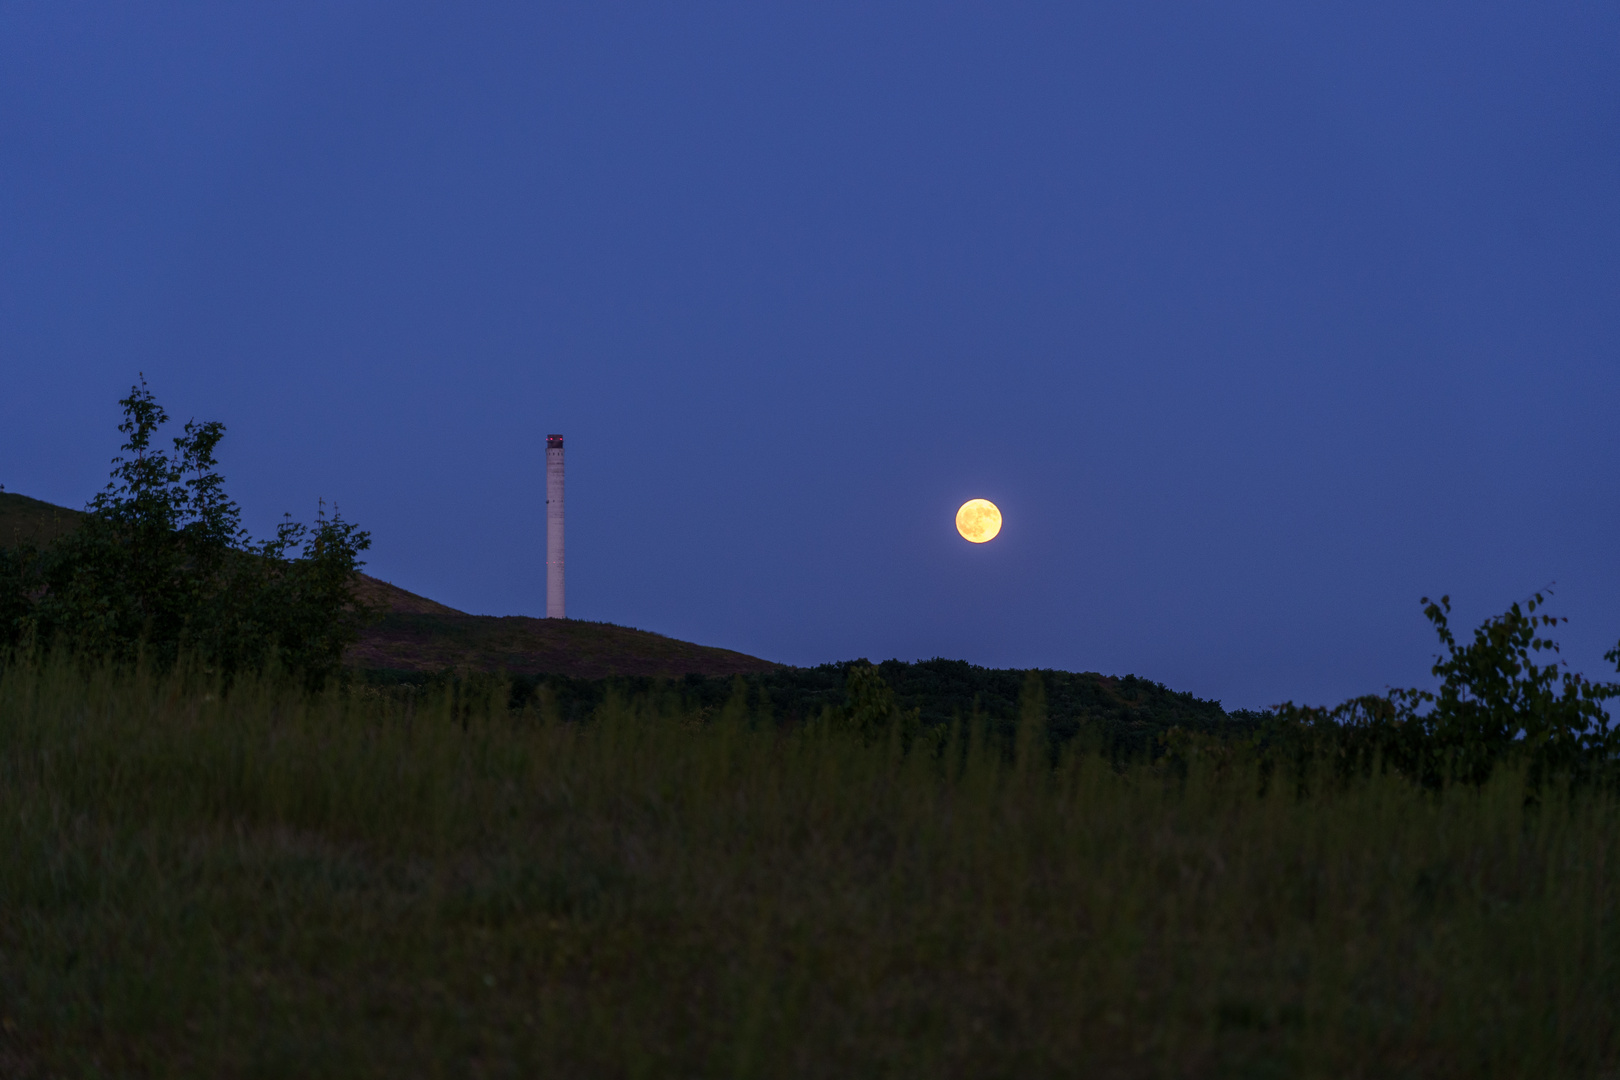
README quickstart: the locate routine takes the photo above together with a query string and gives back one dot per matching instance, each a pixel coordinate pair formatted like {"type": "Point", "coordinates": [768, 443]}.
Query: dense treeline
{"type": "Point", "coordinates": [160, 568]}
{"type": "Point", "coordinates": [1125, 715]}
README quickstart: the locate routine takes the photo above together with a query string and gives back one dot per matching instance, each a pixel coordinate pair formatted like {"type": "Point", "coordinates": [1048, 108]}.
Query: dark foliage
{"type": "Point", "coordinates": [1123, 717]}
{"type": "Point", "coordinates": [1495, 703]}
{"type": "Point", "coordinates": [160, 567]}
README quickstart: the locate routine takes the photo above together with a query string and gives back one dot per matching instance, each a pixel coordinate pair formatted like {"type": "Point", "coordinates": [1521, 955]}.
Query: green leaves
{"type": "Point", "coordinates": [161, 567]}
{"type": "Point", "coordinates": [1496, 701]}
{"type": "Point", "coordinates": [871, 711]}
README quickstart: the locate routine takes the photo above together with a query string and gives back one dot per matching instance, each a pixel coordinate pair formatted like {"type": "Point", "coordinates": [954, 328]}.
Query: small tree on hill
{"type": "Point", "coordinates": [161, 566]}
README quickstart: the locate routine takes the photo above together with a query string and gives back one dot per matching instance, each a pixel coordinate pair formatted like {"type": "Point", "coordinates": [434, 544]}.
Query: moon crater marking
{"type": "Point", "coordinates": [978, 521]}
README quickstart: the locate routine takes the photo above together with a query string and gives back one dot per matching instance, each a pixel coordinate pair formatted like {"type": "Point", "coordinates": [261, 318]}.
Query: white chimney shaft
{"type": "Point", "coordinates": [554, 527]}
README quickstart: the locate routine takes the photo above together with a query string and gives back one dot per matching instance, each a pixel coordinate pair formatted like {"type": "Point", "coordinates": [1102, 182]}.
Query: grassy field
{"type": "Point", "coordinates": [423, 885]}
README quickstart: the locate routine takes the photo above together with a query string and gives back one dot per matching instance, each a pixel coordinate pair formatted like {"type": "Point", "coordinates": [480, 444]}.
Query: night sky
{"type": "Point", "coordinates": [1258, 321]}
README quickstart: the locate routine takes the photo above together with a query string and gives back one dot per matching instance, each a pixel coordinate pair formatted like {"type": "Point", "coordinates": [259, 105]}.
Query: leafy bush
{"type": "Point", "coordinates": [1495, 703]}
{"type": "Point", "coordinates": [161, 567]}
{"type": "Point", "coordinates": [870, 710]}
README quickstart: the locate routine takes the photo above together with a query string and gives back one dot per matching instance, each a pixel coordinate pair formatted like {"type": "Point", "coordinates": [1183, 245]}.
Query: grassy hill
{"type": "Point", "coordinates": [405, 641]}
{"type": "Point", "coordinates": [23, 519]}
{"type": "Point", "coordinates": [415, 634]}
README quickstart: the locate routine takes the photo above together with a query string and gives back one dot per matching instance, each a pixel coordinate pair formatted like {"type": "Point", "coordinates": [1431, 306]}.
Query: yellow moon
{"type": "Point", "coordinates": [978, 520]}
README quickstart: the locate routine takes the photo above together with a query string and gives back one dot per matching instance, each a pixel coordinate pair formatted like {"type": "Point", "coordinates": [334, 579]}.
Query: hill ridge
{"type": "Point", "coordinates": [418, 634]}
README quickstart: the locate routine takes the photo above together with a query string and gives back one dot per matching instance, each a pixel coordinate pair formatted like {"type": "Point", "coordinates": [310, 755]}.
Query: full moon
{"type": "Point", "coordinates": [978, 520]}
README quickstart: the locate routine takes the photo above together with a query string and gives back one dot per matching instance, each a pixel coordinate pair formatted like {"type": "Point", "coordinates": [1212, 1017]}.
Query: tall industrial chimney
{"type": "Point", "coordinates": [554, 527]}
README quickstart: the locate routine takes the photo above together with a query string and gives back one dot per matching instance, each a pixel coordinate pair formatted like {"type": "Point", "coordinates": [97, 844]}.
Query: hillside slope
{"type": "Point", "coordinates": [24, 520]}
{"type": "Point", "coordinates": [415, 634]}
{"type": "Point", "coordinates": [417, 642]}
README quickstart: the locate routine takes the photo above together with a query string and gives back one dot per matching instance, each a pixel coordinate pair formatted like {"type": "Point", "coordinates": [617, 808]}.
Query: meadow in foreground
{"type": "Point", "coordinates": [262, 883]}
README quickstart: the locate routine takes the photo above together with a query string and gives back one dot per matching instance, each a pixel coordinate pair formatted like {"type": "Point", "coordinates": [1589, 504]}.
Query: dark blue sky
{"type": "Point", "coordinates": [1259, 321]}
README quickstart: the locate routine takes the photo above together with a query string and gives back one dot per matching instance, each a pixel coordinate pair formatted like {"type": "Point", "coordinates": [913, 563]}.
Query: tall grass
{"type": "Point", "coordinates": [260, 884]}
